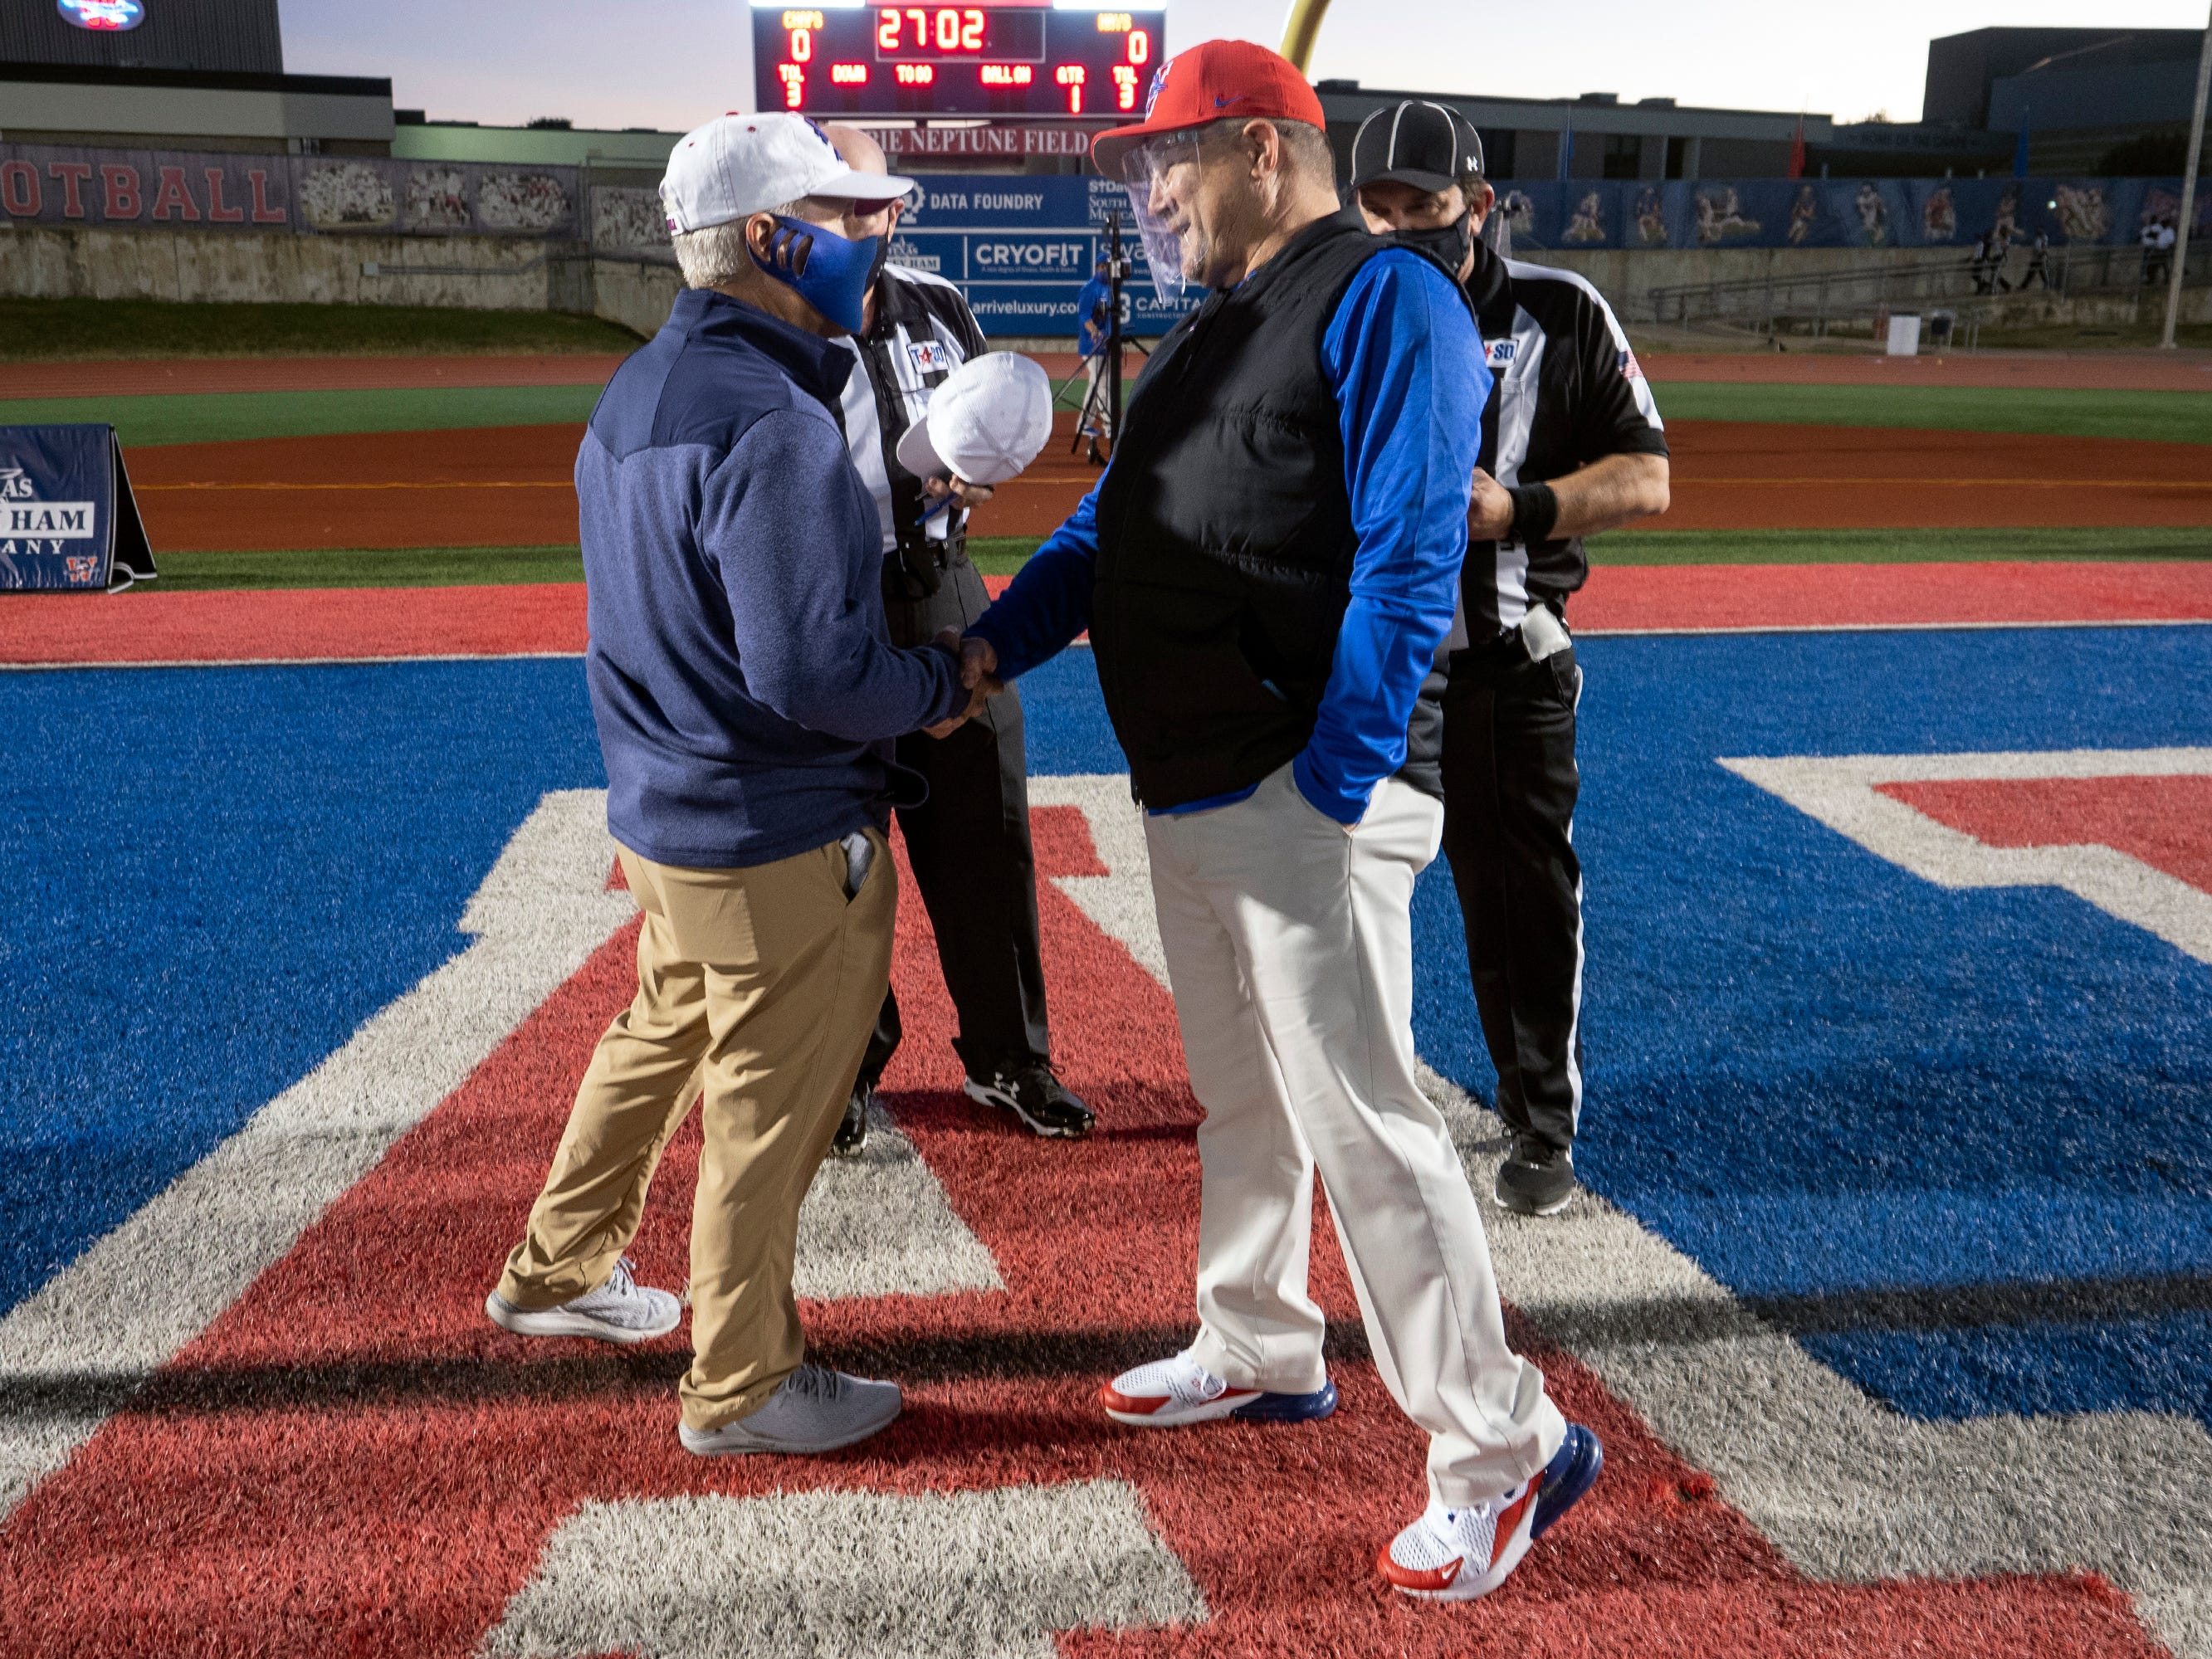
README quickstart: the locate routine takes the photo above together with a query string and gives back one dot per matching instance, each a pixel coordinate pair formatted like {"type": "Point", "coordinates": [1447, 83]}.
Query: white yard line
{"type": "Point", "coordinates": [1847, 1488]}
{"type": "Point", "coordinates": [81, 1344]}
{"type": "Point", "coordinates": [795, 1574]}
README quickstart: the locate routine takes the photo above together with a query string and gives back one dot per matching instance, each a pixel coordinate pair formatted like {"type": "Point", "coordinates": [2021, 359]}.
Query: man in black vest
{"type": "Point", "coordinates": [1571, 445]}
{"type": "Point", "coordinates": [1267, 568]}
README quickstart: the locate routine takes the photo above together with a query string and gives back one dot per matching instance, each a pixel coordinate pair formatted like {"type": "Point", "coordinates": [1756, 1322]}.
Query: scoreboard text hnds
{"type": "Point", "coordinates": [1003, 60]}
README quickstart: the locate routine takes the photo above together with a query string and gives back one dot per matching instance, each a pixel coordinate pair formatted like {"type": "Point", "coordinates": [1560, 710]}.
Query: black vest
{"type": "Point", "coordinates": [1225, 530]}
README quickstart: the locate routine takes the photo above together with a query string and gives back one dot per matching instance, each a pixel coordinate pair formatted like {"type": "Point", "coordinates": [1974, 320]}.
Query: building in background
{"type": "Point", "coordinates": [1600, 137]}
{"type": "Point", "coordinates": [2095, 101]}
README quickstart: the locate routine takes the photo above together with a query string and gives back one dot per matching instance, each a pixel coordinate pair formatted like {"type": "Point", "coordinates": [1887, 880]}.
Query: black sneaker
{"type": "Point", "coordinates": [1033, 1094]}
{"type": "Point", "coordinates": [1093, 455]}
{"type": "Point", "coordinates": [853, 1132]}
{"type": "Point", "coordinates": [1537, 1180]}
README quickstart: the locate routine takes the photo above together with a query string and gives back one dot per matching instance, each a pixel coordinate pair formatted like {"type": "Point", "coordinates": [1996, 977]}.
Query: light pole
{"type": "Point", "coordinates": [2188, 191]}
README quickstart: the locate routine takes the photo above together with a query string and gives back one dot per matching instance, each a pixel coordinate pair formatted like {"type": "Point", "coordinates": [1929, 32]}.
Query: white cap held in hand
{"type": "Point", "coordinates": [985, 423]}
{"type": "Point", "coordinates": [739, 165]}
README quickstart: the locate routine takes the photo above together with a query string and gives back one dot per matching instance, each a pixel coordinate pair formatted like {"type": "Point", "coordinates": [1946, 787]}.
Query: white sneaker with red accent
{"type": "Point", "coordinates": [1175, 1392]}
{"type": "Point", "coordinates": [1457, 1555]}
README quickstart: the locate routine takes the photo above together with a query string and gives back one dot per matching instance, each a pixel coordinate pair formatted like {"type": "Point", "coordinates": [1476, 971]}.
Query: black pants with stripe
{"type": "Point", "coordinates": [1510, 791]}
{"type": "Point", "coordinates": [969, 847]}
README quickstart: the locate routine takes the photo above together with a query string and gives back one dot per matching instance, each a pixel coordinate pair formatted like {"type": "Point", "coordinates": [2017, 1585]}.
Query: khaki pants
{"type": "Point", "coordinates": [767, 981]}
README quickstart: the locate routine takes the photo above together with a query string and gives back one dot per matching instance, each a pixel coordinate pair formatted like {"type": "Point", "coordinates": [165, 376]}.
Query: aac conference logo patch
{"type": "Point", "coordinates": [104, 14]}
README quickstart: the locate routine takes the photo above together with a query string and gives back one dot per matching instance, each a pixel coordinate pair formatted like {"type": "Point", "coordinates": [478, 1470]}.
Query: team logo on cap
{"type": "Point", "coordinates": [1159, 79]}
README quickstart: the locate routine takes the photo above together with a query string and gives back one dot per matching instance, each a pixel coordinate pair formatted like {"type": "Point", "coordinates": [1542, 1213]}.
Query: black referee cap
{"type": "Point", "coordinates": [1426, 145]}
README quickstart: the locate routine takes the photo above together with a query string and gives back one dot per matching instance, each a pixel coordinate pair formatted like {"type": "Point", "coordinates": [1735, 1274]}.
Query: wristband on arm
{"type": "Point", "coordinates": [1536, 510]}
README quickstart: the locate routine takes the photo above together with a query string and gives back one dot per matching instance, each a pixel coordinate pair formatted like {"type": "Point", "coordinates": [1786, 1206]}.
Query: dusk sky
{"type": "Point", "coordinates": [671, 63]}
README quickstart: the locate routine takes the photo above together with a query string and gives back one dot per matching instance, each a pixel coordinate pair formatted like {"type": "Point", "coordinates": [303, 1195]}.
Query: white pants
{"type": "Point", "coordinates": [1289, 946]}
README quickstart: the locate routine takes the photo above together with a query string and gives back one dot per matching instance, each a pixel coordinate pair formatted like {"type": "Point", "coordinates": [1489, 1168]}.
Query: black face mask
{"type": "Point", "coordinates": [1448, 244]}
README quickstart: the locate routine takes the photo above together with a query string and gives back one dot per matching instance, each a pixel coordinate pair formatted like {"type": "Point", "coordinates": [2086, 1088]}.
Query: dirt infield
{"type": "Point", "coordinates": [483, 486]}
{"type": "Point", "coordinates": [510, 486]}
{"type": "Point", "coordinates": [517, 619]}
{"type": "Point", "coordinates": [1733, 474]}
{"type": "Point", "coordinates": [2189, 371]}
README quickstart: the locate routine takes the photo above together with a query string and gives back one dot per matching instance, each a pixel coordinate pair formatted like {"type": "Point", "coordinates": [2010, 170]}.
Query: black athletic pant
{"type": "Point", "coordinates": [969, 847]}
{"type": "Point", "coordinates": [1510, 789]}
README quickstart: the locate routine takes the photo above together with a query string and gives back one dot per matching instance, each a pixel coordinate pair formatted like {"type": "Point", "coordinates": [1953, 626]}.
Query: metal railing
{"type": "Point", "coordinates": [1820, 300]}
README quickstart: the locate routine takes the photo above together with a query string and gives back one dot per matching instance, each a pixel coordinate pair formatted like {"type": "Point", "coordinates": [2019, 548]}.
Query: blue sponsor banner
{"type": "Point", "coordinates": [68, 520]}
{"type": "Point", "coordinates": [1865, 213]}
{"type": "Point", "coordinates": [1021, 246]}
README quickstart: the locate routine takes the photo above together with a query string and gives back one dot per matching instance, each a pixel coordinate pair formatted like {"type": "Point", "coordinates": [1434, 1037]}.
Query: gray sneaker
{"type": "Point", "coordinates": [816, 1410]}
{"type": "Point", "coordinates": [621, 1310]}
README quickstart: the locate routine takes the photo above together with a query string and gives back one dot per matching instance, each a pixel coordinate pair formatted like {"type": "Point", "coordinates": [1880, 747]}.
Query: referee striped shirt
{"type": "Point", "coordinates": [1566, 391]}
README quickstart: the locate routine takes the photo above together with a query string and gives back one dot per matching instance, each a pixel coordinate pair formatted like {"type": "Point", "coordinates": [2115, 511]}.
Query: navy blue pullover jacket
{"type": "Point", "coordinates": [746, 689]}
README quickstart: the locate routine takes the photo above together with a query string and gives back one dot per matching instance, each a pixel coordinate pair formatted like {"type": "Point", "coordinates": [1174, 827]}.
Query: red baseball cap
{"type": "Point", "coordinates": [1218, 81]}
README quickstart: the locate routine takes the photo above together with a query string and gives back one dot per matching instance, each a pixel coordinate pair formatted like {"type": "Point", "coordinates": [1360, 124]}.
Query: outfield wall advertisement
{"type": "Point", "coordinates": [1022, 245]}
{"type": "Point", "coordinates": [1866, 213]}
{"type": "Point", "coordinates": [161, 189]}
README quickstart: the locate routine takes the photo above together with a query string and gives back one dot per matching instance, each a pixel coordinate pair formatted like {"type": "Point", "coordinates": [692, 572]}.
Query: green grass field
{"type": "Point", "coordinates": [57, 330]}
{"type": "Point", "coordinates": [1001, 555]}
{"type": "Point", "coordinates": [229, 416]}
{"type": "Point", "coordinates": [2170, 417]}
{"type": "Point", "coordinates": [215, 417]}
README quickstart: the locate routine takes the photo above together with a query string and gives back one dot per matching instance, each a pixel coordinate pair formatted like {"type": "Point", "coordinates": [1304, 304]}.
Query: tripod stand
{"type": "Point", "coordinates": [1106, 385]}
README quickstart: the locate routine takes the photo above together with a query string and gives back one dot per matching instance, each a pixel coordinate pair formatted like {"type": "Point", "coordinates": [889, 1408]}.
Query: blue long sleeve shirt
{"type": "Point", "coordinates": [743, 680]}
{"type": "Point", "coordinates": [1406, 362]}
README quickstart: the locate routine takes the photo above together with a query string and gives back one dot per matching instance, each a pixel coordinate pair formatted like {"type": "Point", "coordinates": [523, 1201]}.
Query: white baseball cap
{"type": "Point", "coordinates": [739, 165]}
{"type": "Point", "coordinates": [985, 423]}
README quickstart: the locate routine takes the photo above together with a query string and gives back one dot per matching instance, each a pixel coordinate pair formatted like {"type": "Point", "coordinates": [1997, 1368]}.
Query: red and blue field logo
{"type": "Point", "coordinates": [1890, 1300]}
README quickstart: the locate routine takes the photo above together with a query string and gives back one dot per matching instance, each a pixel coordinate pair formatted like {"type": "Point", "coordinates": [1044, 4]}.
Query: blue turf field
{"type": "Point", "coordinates": [1816, 1074]}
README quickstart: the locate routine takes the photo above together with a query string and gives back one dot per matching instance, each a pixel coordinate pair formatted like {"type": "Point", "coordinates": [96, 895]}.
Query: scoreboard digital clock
{"type": "Point", "coordinates": [1002, 60]}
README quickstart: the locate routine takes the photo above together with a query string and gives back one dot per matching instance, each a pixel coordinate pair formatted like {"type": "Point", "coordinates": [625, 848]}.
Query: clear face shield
{"type": "Point", "coordinates": [1162, 176]}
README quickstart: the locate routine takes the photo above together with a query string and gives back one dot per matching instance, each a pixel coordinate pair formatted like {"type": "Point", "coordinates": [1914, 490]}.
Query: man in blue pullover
{"type": "Point", "coordinates": [1267, 568]}
{"type": "Point", "coordinates": [746, 693]}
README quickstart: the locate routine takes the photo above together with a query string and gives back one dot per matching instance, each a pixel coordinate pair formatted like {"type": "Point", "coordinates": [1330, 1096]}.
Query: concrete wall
{"type": "Point", "coordinates": [57, 262]}
{"type": "Point", "coordinates": [473, 272]}
{"type": "Point", "coordinates": [1626, 279]}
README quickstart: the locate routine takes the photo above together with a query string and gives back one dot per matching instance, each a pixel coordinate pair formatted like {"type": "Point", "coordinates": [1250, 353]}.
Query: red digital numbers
{"type": "Point", "coordinates": [941, 29]}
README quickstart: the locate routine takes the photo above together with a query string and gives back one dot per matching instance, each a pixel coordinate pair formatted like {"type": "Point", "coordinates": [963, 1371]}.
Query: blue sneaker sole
{"type": "Point", "coordinates": [1290, 1407]}
{"type": "Point", "coordinates": [1573, 1472]}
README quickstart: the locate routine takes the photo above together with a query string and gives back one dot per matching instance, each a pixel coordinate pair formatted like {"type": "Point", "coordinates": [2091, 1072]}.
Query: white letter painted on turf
{"type": "Point", "coordinates": [987, 1574]}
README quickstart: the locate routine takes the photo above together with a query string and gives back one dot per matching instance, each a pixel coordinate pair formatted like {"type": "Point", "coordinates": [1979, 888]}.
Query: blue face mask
{"type": "Point", "coordinates": [831, 273]}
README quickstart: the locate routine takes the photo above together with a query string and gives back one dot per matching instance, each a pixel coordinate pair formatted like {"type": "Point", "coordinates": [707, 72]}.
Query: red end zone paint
{"type": "Point", "coordinates": [294, 624]}
{"type": "Point", "coordinates": [1661, 599]}
{"type": "Point", "coordinates": [2166, 822]}
{"type": "Point", "coordinates": [351, 1459]}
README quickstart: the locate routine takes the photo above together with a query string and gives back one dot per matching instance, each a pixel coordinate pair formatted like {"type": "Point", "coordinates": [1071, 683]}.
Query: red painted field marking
{"type": "Point", "coordinates": [2166, 822]}
{"type": "Point", "coordinates": [350, 1458]}
{"type": "Point", "coordinates": [536, 619]}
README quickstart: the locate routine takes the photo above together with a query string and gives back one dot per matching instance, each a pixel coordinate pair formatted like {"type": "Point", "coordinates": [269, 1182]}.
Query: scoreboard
{"type": "Point", "coordinates": [1000, 59]}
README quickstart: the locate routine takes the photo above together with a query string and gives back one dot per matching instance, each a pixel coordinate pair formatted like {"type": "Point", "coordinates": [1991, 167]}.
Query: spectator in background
{"type": "Point", "coordinates": [2039, 257]}
{"type": "Point", "coordinates": [2158, 239]}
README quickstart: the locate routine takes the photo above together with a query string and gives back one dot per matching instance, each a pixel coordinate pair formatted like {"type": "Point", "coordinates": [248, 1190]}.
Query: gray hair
{"type": "Point", "coordinates": [1305, 147]}
{"type": "Point", "coordinates": [717, 256]}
